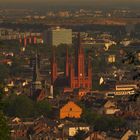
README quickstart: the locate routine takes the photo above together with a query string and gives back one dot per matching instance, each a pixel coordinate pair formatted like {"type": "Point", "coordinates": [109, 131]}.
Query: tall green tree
{"type": "Point", "coordinates": [4, 129]}
{"type": "Point", "coordinates": [4, 72]}
{"type": "Point", "coordinates": [20, 106]}
{"type": "Point", "coordinates": [102, 122]}
{"type": "Point", "coordinates": [42, 108]}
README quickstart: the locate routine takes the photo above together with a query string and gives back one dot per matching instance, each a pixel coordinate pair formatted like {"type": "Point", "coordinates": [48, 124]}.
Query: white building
{"type": "Point", "coordinates": [57, 36]}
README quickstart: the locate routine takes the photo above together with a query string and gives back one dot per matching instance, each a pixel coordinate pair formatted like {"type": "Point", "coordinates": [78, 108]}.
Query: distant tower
{"type": "Point", "coordinates": [79, 77]}
{"type": "Point", "coordinates": [53, 68]}
{"type": "Point", "coordinates": [71, 74]}
{"type": "Point", "coordinates": [80, 60]}
{"type": "Point", "coordinates": [36, 81]}
{"type": "Point", "coordinates": [67, 64]}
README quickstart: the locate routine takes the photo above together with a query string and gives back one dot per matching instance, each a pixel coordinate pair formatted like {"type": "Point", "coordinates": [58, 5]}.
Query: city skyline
{"type": "Point", "coordinates": [69, 69]}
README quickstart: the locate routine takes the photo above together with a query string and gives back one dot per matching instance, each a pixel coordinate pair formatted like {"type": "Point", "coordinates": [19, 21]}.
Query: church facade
{"type": "Point", "coordinates": [77, 72]}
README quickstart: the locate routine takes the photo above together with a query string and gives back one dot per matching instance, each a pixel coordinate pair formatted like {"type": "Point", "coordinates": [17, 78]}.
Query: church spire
{"type": "Point", "coordinates": [53, 67]}
{"type": "Point", "coordinates": [36, 80]}
{"type": "Point", "coordinates": [67, 63]}
{"type": "Point", "coordinates": [36, 73]}
{"type": "Point", "coordinates": [80, 49]}
{"type": "Point", "coordinates": [80, 59]}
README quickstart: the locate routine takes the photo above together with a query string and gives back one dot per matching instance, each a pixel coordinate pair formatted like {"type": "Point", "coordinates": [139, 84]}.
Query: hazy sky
{"type": "Point", "coordinates": [71, 2]}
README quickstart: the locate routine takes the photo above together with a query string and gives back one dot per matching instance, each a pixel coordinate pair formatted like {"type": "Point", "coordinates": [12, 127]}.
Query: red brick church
{"type": "Point", "coordinates": [77, 74]}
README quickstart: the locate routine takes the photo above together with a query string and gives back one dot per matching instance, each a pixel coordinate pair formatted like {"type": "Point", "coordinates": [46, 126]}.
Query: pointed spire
{"type": "Point", "coordinates": [53, 55]}
{"type": "Point", "coordinates": [80, 49]}
{"type": "Point", "coordinates": [36, 75]}
{"type": "Point", "coordinates": [67, 63]}
{"type": "Point", "coordinates": [53, 67]}
{"type": "Point", "coordinates": [36, 81]}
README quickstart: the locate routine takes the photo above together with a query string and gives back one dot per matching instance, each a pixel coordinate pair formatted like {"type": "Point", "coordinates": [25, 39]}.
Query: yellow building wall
{"type": "Point", "coordinates": [70, 110]}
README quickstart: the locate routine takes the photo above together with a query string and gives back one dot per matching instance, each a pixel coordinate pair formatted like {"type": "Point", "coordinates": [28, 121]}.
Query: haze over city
{"type": "Point", "coordinates": [68, 3]}
{"type": "Point", "coordinates": [69, 69]}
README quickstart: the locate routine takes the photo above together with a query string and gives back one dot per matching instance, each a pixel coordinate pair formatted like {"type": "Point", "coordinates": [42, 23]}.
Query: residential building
{"type": "Point", "coordinates": [71, 129]}
{"type": "Point", "coordinates": [70, 110]}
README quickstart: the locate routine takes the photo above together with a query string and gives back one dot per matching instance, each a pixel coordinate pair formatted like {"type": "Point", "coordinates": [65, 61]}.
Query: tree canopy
{"type": "Point", "coordinates": [102, 122]}
{"type": "Point", "coordinates": [4, 129]}
{"type": "Point", "coordinates": [22, 106]}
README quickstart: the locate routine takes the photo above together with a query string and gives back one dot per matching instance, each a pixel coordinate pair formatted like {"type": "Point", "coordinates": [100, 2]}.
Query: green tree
{"type": "Point", "coordinates": [16, 68]}
{"type": "Point", "coordinates": [89, 117]}
{"type": "Point", "coordinates": [101, 122]}
{"type": "Point", "coordinates": [4, 72]}
{"type": "Point", "coordinates": [20, 106]}
{"type": "Point", "coordinates": [107, 123]}
{"type": "Point", "coordinates": [4, 129]}
{"type": "Point", "coordinates": [42, 108]}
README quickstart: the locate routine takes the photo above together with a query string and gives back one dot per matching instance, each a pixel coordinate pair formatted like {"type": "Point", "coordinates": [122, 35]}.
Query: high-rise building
{"type": "Point", "coordinates": [75, 73]}
{"type": "Point", "coordinates": [57, 36]}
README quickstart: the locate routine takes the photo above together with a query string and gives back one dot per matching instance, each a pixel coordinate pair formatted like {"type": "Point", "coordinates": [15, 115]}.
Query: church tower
{"type": "Point", "coordinates": [79, 77]}
{"type": "Point", "coordinates": [53, 68]}
{"type": "Point", "coordinates": [76, 74]}
{"type": "Point", "coordinates": [36, 80]}
{"type": "Point", "coordinates": [67, 64]}
{"type": "Point", "coordinates": [71, 74]}
{"type": "Point", "coordinates": [80, 60]}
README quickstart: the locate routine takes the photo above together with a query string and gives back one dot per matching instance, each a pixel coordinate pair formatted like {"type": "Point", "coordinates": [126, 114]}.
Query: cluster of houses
{"type": "Point", "coordinates": [64, 123]}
